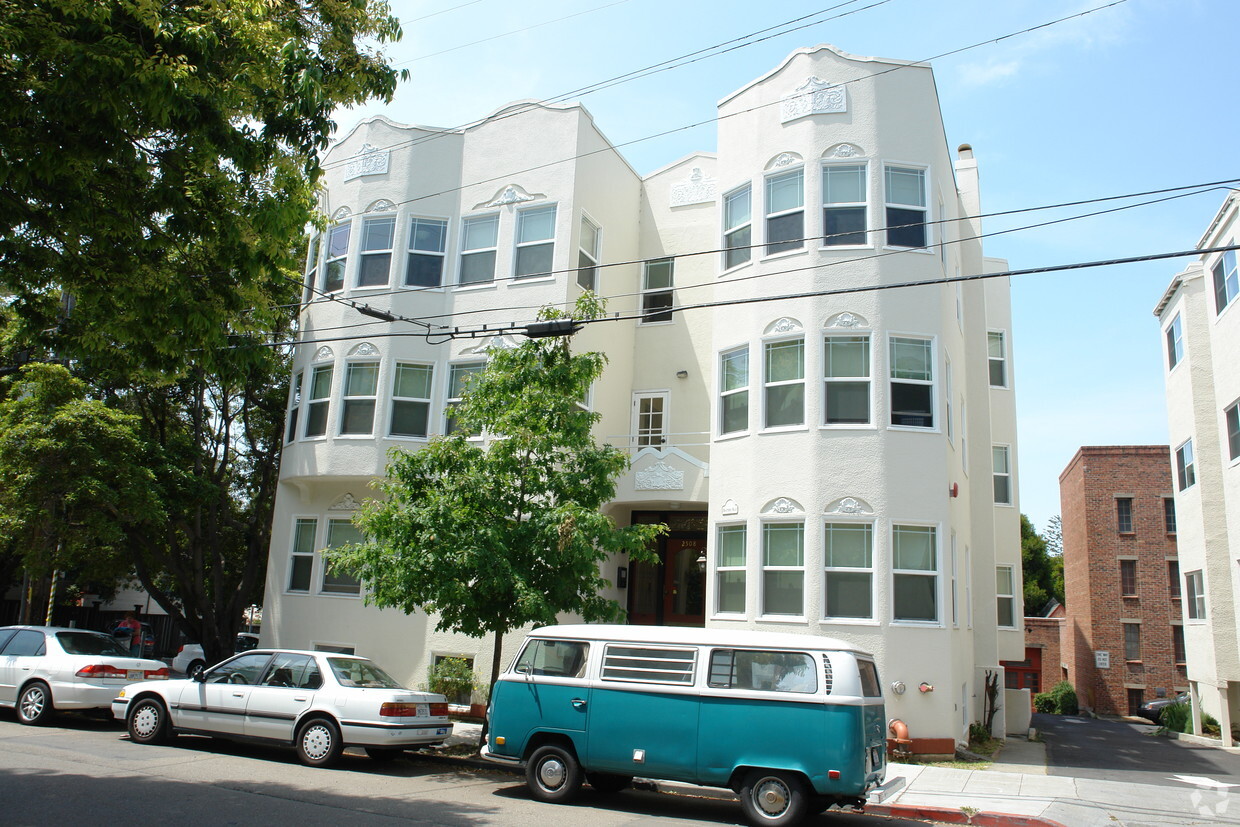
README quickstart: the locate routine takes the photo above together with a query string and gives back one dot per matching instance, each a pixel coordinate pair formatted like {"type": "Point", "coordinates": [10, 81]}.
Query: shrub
{"type": "Point", "coordinates": [1209, 724]}
{"type": "Point", "coordinates": [1177, 718]}
{"type": "Point", "coordinates": [1065, 699]}
{"type": "Point", "coordinates": [1044, 702]}
{"type": "Point", "coordinates": [453, 678]}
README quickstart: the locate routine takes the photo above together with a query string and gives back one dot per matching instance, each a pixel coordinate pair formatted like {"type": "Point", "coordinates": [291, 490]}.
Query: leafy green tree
{"type": "Point", "coordinates": [492, 538]}
{"type": "Point", "coordinates": [75, 478]}
{"type": "Point", "coordinates": [1039, 569]}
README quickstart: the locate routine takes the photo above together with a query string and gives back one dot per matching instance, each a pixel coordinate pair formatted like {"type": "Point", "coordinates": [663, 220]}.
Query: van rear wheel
{"type": "Point", "coordinates": [553, 774]}
{"type": "Point", "coordinates": [773, 798]}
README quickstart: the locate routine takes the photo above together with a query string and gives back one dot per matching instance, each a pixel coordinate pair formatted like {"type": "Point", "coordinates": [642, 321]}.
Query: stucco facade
{"type": "Point", "coordinates": [1200, 328]}
{"type": "Point", "coordinates": [835, 451]}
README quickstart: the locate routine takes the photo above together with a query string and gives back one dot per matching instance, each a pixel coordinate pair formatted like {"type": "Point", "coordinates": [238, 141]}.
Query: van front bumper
{"type": "Point", "coordinates": [507, 760]}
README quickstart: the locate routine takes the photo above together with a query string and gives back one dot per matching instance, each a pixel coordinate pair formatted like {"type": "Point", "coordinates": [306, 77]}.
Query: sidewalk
{"type": "Point", "coordinates": [1015, 791]}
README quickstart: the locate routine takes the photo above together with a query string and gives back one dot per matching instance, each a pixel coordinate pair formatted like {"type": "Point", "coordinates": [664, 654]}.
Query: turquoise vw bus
{"type": "Point", "coordinates": [792, 723]}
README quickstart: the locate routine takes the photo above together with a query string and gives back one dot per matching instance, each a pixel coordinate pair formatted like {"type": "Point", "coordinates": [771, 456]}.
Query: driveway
{"type": "Point", "coordinates": [1114, 750]}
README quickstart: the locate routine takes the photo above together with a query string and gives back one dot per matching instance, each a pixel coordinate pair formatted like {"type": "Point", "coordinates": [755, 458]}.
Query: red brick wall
{"type": "Point", "coordinates": [1044, 633]}
{"type": "Point", "coordinates": [1093, 547]}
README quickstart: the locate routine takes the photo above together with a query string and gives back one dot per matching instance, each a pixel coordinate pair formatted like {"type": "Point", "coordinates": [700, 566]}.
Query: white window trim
{"type": "Point", "coordinates": [747, 389]}
{"type": "Point", "coordinates": [296, 399]}
{"type": "Point", "coordinates": [718, 569]}
{"type": "Point", "coordinates": [866, 205]}
{"type": "Point", "coordinates": [948, 423]}
{"type": "Point", "coordinates": [1007, 372]}
{"type": "Point", "coordinates": [1235, 297]}
{"type": "Point", "coordinates": [872, 366]}
{"type": "Point", "coordinates": [1178, 341]}
{"type": "Point", "coordinates": [1011, 570]}
{"type": "Point", "coordinates": [594, 255]}
{"type": "Point", "coordinates": [873, 571]}
{"type": "Point", "coordinates": [665, 418]}
{"type": "Point", "coordinates": [955, 582]}
{"type": "Point", "coordinates": [517, 244]}
{"type": "Point", "coordinates": [933, 383]}
{"type": "Point", "coordinates": [390, 251]}
{"type": "Point", "coordinates": [1190, 467]}
{"type": "Point", "coordinates": [651, 291]}
{"type": "Point", "coordinates": [805, 406]}
{"type": "Point", "coordinates": [293, 555]}
{"type": "Point", "coordinates": [308, 400]}
{"type": "Point", "coordinates": [1194, 615]}
{"type": "Point", "coordinates": [410, 250]}
{"type": "Point", "coordinates": [448, 401]}
{"type": "Point", "coordinates": [1226, 435]}
{"type": "Point", "coordinates": [937, 623]}
{"type": "Point", "coordinates": [392, 399]}
{"type": "Point", "coordinates": [928, 180]}
{"type": "Point", "coordinates": [723, 213]}
{"type": "Point", "coordinates": [763, 568]}
{"type": "Point", "coordinates": [314, 264]}
{"type": "Point", "coordinates": [328, 260]}
{"type": "Point", "coordinates": [767, 215]}
{"type": "Point", "coordinates": [322, 564]}
{"type": "Point", "coordinates": [461, 252]}
{"type": "Point", "coordinates": [345, 398]}
{"type": "Point", "coordinates": [1010, 474]}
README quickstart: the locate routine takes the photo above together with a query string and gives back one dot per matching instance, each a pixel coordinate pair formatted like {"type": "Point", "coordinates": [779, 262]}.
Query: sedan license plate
{"type": "Point", "coordinates": [424, 710]}
{"type": "Point", "coordinates": [134, 674]}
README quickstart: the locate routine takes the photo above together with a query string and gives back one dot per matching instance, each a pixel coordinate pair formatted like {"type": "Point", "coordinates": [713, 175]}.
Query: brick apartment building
{"type": "Point", "coordinates": [1123, 637]}
{"type": "Point", "coordinates": [1043, 666]}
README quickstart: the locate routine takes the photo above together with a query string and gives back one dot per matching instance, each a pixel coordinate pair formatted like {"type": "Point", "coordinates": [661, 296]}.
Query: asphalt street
{"type": "Point", "coordinates": [86, 770]}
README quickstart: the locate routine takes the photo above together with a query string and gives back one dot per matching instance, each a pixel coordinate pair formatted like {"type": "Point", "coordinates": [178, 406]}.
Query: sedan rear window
{"type": "Point", "coordinates": [87, 643]}
{"type": "Point", "coordinates": [361, 673]}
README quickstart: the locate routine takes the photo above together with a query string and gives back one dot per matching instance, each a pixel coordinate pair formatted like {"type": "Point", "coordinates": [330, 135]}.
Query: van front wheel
{"type": "Point", "coordinates": [774, 799]}
{"type": "Point", "coordinates": [553, 774]}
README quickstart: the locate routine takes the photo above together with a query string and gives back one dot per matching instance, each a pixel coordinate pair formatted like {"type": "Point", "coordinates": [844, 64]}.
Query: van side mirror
{"type": "Point", "coordinates": [522, 668]}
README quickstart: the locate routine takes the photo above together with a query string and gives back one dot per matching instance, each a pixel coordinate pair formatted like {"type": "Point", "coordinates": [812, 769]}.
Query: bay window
{"type": "Point", "coordinates": [411, 401]}
{"type": "Point", "coordinates": [737, 227]}
{"type": "Point", "coordinates": [734, 391]}
{"type": "Point", "coordinates": [848, 552]}
{"type": "Point", "coordinates": [535, 242]}
{"type": "Point", "coordinates": [783, 568]}
{"type": "Point", "coordinates": [785, 212]}
{"type": "Point", "coordinates": [479, 237]}
{"type": "Point", "coordinates": [428, 239]}
{"type": "Point", "coordinates": [915, 575]}
{"type": "Point", "coordinates": [843, 205]}
{"type": "Point", "coordinates": [784, 379]}
{"type": "Point", "coordinates": [846, 369]}
{"type": "Point", "coordinates": [337, 257]}
{"type": "Point", "coordinates": [361, 381]}
{"type": "Point", "coordinates": [730, 569]}
{"type": "Point", "coordinates": [905, 189]}
{"type": "Point", "coordinates": [912, 382]}
{"type": "Point", "coordinates": [377, 236]}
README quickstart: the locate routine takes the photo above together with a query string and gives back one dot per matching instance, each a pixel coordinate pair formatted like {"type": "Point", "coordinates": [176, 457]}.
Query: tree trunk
{"type": "Point", "coordinates": [496, 658]}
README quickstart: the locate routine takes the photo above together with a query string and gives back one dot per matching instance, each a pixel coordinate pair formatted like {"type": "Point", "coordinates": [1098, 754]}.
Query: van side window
{"type": "Point", "coordinates": [762, 671]}
{"type": "Point", "coordinates": [559, 658]}
{"type": "Point", "coordinates": [869, 679]}
{"type": "Point", "coordinates": [636, 663]}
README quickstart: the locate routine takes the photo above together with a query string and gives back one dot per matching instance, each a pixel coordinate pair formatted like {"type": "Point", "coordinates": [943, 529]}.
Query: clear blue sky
{"type": "Point", "coordinates": [1136, 97]}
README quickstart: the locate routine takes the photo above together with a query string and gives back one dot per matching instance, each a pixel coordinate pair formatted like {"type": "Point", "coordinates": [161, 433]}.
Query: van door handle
{"type": "Point", "coordinates": [578, 703]}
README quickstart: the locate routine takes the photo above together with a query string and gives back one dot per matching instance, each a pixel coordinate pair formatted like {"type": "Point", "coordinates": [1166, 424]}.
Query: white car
{"type": "Point", "coordinates": [46, 668]}
{"type": "Point", "coordinates": [190, 660]}
{"type": "Point", "coordinates": [316, 702]}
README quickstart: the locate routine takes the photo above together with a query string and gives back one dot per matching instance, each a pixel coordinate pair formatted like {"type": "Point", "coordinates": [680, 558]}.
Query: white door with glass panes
{"type": "Point", "coordinates": [650, 419]}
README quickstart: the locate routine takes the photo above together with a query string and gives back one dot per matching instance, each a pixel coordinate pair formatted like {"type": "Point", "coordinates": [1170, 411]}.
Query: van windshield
{"type": "Point", "coordinates": [560, 658]}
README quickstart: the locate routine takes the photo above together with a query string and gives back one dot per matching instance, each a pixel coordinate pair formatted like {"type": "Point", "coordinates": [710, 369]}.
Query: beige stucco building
{"type": "Point", "coordinates": [1201, 350]}
{"type": "Point", "coordinates": [834, 450]}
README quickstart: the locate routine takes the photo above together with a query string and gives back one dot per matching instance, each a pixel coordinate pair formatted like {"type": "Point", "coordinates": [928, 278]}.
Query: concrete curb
{"type": "Point", "coordinates": [946, 815]}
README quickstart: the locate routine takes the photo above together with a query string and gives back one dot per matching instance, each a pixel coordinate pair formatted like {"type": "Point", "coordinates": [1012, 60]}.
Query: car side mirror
{"type": "Point", "coordinates": [200, 677]}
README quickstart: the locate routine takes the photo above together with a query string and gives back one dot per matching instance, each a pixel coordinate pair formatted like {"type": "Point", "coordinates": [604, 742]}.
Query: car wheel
{"type": "Point", "coordinates": [553, 774]}
{"type": "Point", "coordinates": [318, 743]}
{"type": "Point", "coordinates": [195, 669]}
{"type": "Point", "coordinates": [773, 799]}
{"type": "Point", "coordinates": [34, 707]}
{"type": "Point", "coordinates": [608, 783]}
{"type": "Point", "coordinates": [148, 722]}
{"type": "Point", "coordinates": [384, 755]}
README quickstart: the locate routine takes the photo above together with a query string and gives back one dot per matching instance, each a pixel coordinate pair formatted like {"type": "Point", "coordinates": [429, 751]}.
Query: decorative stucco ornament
{"type": "Point", "coordinates": [785, 159]}
{"type": "Point", "coordinates": [813, 97]}
{"type": "Point", "coordinates": [369, 160]}
{"type": "Point", "coordinates": [364, 349]}
{"type": "Point", "coordinates": [846, 151]}
{"type": "Point", "coordinates": [492, 343]}
{"type": "Point", "coordinates": [382, 205]}
{"type": "Point", "coordinates": [697, 190]}
{"type": "Point", "coordinates": [659, 477]}
{"type": "Point", "coordinates": [849, 320]}
{"type": "Point", "coordinates": [783, 506]}
{"type": "Point", "coordinates": [729, 508]}
{"type": "Point", "coordinates": [849, 505]}
{"type": "Point", "coordinates": [511, 194]}
{"type": "Point", "coordinates": [785, 325]}
{"type": "Point", "coordinates": [341, 214]}
{"type": "Point", "coordinates": [346, 503]}
{"type": "Point", "coordinates": [323, 354]}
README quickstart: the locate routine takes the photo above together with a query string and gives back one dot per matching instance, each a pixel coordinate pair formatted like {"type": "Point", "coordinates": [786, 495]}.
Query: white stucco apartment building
{"type": "Point", "coordinates": [834, 463]}
{"type": "Point", "coordinates": [1200, 325]}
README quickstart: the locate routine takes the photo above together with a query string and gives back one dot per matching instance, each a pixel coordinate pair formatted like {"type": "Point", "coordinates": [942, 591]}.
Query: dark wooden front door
{"type": "Point", "coordinates": [671, 592]}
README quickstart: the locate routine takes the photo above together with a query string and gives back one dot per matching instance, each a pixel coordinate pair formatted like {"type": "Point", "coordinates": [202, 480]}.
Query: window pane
{"type": "Point", "coordinates": [410, 418]}
{"type": "Point", "coordinates": [338, 241]}
{"type": "Point", "coordinates": [333, 275]}
{"type": "Point", "coordinates": [848, 356]}
{"type": "Point", "coordinates": [785, 232]}
{"type": "Point", "coordinates": [906, 228]}
{"type": "Point", "coordinates": [479, 233]}
{"type": "Point", "coordinates": [374, 269]}
{"type": "Point", "coordinates": [785, 405]}
{"type": "Point", "coordinates": [299, 574]}
{"type": "Point", "coordinates": [906, 186]}
{"type": "Point", "coordinates": [478, 268]}
{"type": "Point", "coordinates": [914, 597]}
{"type": "Point", "coordinates": [424, 271]}
{"type": "Point", "coordinates": [848, 403]}
{"type": "Point", "coordinates": [735, 370]}
{"type": "Point", "coordinates": [428, 235]}
{"type": "Point", "coordinates": [1003, 580]}
{"type": "Point", "coordinates": [737, 244]}
{"type": "Point", "coordinates": [321, 384]}
{"type": "Point", "coordinates": [316, 419]}
{"type": "Point", "coordinates": [303, 536]}
{"type": "Point", "coordinates": [999, 456]}
{"type": "Point", "coordinates": [413, 381]}
{"type": "Point", "coordinates": [910, 405]}
{"type": "Point", "coordinates": [782, 544]}
{"type": "Point", "coordinates": [1233, 431]}
{"type": "Point", "coordinates": [782, 592]}
{"type": "Point", "coordinates": [843, 185]}
{"type": "Point", "coordinates": [1007, 611]}
{"type": "Point", "coordinates": [732, 546]}
{"type": "Point", "coordinates": [536, 225]}
{"type": "Point", "coordinates": [914, 547]}
{"type": "Point", "coordinates": [377, 233]}
{"type": "Point", "coordinates": [361, 379]}
{"type": "Point", "coordinates": [359, 416]}
{"type": "Point", "coordinates": [589, 237]}
{"type": "Point", "coordinates": [735, 412]}
{"type": "Point", "coordinates": [785, 361]}
{"type": "Point", "coordinates": [534, 260]}
{"type": "Point", "coordinates": [910, 359]}
{"type": "Point", "coordinates": [736, 209]}
{"type": "Point", "coordinates": [843, 225]}
{"type": "Point", "coordinates": [848, 594]}
{"type": "Point", "coordinates": [849, 546]}
{"type": "Point", "coordinates": [731, 591]}
{"type": "Point", "coordinates": [783, 192]}
{"type": "Point", "coordinates": [658, 275]}
{"type": "Point", "coordinates": [339, 533]}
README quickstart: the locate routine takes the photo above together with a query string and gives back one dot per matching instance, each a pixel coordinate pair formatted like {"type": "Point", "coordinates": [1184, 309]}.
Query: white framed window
{"type": "Point", "coordinates": [319, 404]}
{"type": "Point", "coordinates": [657, 298]}
{"type": "Point", "coordinates": [378, 236]}
{"type": "Point", "coordinates": [340, 533]}
{"type": "Point", "coordinates": [737, 227]}
{"type": "Point", "coordinates": [734, 391]}
{"type": "Point", "coordinates": [1226, 281]}
{"type": "Point", "coordinates": [783, 569]}
{"type": "Point", "coordinates": [587, 255]}
{"type": "Point", "coordinates": [785, 212]}
{"type": "Point", "coordinates": [844, 205]}
{"type": "Point", "coordinates": [294, 407]}
{"type": "Point", "coordinates": [301, 560]}
{"type": "Point", "coordinates": [428, 242]}
{"type": "Point", "coordinates": [650, 419]}
{"type": "Point", "coordinates": [337, 257]}
{"type": "Point", "coordinates": [1185, 472]}
{"type": "Point", "coordinates": [784, 383]}
{"type": "Point", "coordinates": [848, 553]}
{"type": "Point", "coordinates": [1005, 595]}
{"type": "Point", "coordinates": [948, 421]}
{"type": "Point", "coordinates": [955, 574]}
{"type": "Point", "coordinates": [912, 382]}
{"type": "Point", "coordinates": [1231, 416]}
{"type": "Point", "coordinates": [479, 240]}
{"type": "Point", "coordinates": [964, 432]}
{"type": "Point", "coordinates": [730, 569]}
{"type": "Point", "coordinates": [458, 378]}
{"type": "Point", "coordinates": [312, 264]}
{"type": "Point", "coordinates": [535, 242]}
{"type": "Point", "coordinates": [411, 401]}
{"type": "Point", "coordinates": [905, 189]}
{"type": "Point", "coordinates": [846, 378]}
{"type": "Point", "coordinates": [1195, 595]}
{"type": "Point", "coordinates": [361, 383]}
{"type": "Point", "coordinates": [996, 346]}
{"type": "Point", "coordinates": [1175, 342]}
{"type": "Point", "coordinates": [1001, 460]}
{"type": "Point", "coordinates": [915, 573]}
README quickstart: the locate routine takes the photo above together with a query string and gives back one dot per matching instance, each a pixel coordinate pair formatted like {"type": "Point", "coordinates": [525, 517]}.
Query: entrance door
{"type": "Point", "coordinates": [650, 419]}
{"type": "Point", "coordinates": [671, 592]}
